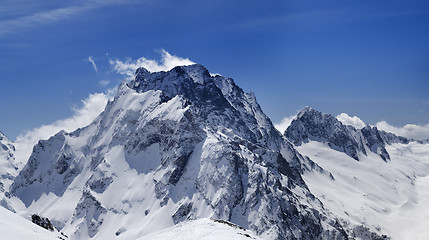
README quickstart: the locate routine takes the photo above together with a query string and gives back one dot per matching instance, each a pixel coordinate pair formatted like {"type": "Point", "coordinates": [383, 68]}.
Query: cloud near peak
{"type": "Point", "coordinates": [284, 123]}
{"type": "Point", "coordinates": [353, 121]}
{"type": "Point", "coordinates": [166, 63]}
{"type": "Point", "coordinates": [82, 116]}
{"type": "Point", "coordinates": [414, 131]}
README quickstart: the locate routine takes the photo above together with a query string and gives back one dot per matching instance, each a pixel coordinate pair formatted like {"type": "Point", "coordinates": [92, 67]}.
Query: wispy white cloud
{"type": "Point", "coordinates": [46, 17]}
{"type": "Point", "coordinates": [94, 66]}
{"type": "Point", "coordinates": [82, 116]}
{"type": "Point", "coordinates": [419, 132]}
{"type": "Point", "coordinates": [104, 83]}
{"type": "Point", "coordinates": [353, 121]}
{"type": "Point", "coordinates": [284, 123]}
{"type": "Point", "coordinates": [166, 63]}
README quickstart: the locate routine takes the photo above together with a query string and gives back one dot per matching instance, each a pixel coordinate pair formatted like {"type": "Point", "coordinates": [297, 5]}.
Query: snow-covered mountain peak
{"type": "Point", "coordinates": [180, 74]}
{"type": "Point", "coordinates": [6, 144]}
{"type": "Point", "coordinates": [313, 125]}
{"type": "Point", "coordinates": [307, 110]}
{"type": "Point", "coordinates": [193, 84]}
{"type": "Point", "coordinates": [214, 96]}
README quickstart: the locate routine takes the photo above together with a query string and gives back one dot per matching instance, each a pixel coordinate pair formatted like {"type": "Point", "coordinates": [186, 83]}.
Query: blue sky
{"type": "Point", "coordinates": [365, 58]}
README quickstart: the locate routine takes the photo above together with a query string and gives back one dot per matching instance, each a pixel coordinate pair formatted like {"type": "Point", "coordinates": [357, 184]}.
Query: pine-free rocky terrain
{"type": "Point", "coordinates": [175, 149]}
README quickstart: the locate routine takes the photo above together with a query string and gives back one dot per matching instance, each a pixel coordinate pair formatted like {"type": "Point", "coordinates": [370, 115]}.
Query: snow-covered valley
{"type": "Point", "coordinates": [391, 197]}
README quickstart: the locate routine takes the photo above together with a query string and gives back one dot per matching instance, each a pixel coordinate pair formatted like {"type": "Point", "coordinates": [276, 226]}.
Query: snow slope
{"type": "Point", "coordinates": [15, 227]}
{"type": "Point", "coordinates": [202, 229]}
{"type": "Point", "coordinates": [391, 198]}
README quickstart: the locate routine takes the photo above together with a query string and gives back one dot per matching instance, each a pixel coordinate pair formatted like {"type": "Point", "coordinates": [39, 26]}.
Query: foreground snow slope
{"type": "Point", "coordinates": [15, 227]}
{"type": "Point", "coordinates": [202, 229]}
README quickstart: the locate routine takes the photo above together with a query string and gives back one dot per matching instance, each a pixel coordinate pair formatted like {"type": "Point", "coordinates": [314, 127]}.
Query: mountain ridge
{"type": "Point", "coordinates": [311, 124]}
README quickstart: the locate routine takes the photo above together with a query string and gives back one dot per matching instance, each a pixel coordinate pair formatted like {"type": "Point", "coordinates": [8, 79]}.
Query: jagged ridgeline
{"type": "Point", "coordinates": [311, 124]}
{"type": "Point", "coordinates": [170, 147]}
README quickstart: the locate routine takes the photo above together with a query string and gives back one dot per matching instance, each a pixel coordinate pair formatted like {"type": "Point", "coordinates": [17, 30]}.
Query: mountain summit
{"type": "Point", "coordinates": [311, 124]}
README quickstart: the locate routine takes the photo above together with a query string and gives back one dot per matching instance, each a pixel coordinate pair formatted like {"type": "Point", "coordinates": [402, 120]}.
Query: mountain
{"type": "Point", "coordinates": [316, 126]}
{"type": "Point", "coordinates": [170, 147]}
{"type": "Point", "coordinates": [385, 190]}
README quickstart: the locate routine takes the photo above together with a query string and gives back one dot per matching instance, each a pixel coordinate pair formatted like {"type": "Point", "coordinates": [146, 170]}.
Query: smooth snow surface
{"type": "Point", "coordinates": [389, 197]}
{"type": "Point", "coordinates": [202, 229]}
{"type": "Point", "coordinates": [15, 227]}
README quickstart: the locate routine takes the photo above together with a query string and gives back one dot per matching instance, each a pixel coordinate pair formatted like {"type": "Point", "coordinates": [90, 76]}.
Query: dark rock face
{"type": "Point", "coordinates": [390, 138]}
{"type": "Point", "coordinates": [43, 222]}
{"type": "Point", "coordinates": [180, 168]}
{"type": "Point", "coordinates": [374, 142]}
{"type": "Point", "coordinates": [314, 125]}
{"type": "Point", "coordinates": [182, 212]}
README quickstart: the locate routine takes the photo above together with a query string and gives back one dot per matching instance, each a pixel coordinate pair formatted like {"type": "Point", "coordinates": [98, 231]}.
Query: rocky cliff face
{"type": "Point", "coordinates": [170, 147]}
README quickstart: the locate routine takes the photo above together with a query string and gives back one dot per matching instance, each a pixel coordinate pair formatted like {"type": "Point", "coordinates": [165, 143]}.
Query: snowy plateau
{"type": "Point", "coordinates": [188, 155]}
